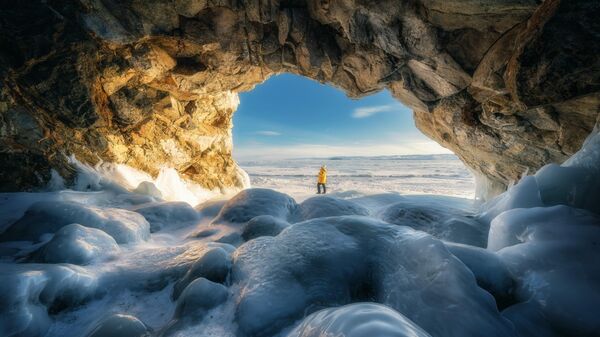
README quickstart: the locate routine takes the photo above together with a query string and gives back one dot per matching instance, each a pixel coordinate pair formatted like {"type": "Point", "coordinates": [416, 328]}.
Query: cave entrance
{"type": "Point", "coordinates": [288, 126]}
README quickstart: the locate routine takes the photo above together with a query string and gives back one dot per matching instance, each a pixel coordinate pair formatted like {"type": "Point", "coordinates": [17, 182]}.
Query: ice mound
{"type": "Point", "coordinates": [490, 271]}
{"type": "Point", "coordinates": [553, 254]}
{"type": "Point", "coordinates": [357, 320]}
{"type": "Point", "coordinates": [338, 260]}
{"type": "Point", "coordinates": [214, 265]}
{"type": "Point", "coordinates": [210, 208]}
{"type": "Point", "coordinates": [120, 325]}
{"type": "Point", "coordinates": [522, 225]}
{"type": "Point", "coordinates": [546, 230]}
{"type": "Point", "coordinates": [50, 216]}
{"type": "Point", "coordinates": [525, 194]}
{"type": "Point", "coordinates": [263, 225]}
{"type": "Point", "coordinates": [196, 300]}
{"type": "Point", "coordinates": [75, 244]}
{"type": "Point", "coordinates": [377, 201]}
{"type": "Point", "coordinates": [254, 202]}
{"type": "Point", "coordinates": [442, 221]}
{"type": "Point", "coordinates": [171, 215]}
{"type": "Point", "coordinates": [324, 206]}
{"type": "Point", "coordinates": [28, 292]}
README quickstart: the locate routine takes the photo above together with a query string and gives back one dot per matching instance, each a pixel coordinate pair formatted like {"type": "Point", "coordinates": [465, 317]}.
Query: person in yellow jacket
{"type": "Point", "coordinates": [322, 180]}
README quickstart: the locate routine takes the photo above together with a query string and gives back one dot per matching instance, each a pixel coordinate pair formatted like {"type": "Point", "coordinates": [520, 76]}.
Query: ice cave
{"type": "Point", "coordinates": [123, 212]}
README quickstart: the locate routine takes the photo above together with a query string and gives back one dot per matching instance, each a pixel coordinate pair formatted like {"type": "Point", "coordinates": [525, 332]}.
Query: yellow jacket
{"type": "Point", "coordinates": [322, 176]}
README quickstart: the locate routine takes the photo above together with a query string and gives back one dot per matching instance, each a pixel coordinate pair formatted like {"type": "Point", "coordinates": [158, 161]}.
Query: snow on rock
{"type": "Point", "coordinates": [50, 216]}
{"type": "Point", "coordinates": [168, 214]}
{"type": "Point", "coordinates": [357, 320]}
{"type": "Point", "coordinates": [324, 206]}
{"type": "Point", "coordinates": [338, 260]}
{"type": "Point", "coordinates": [120, 325]}
{"type": "Point", "coordinates": [214, 265]}
{"type": "Point", "coordinates": [553, 254]}
{"type": "Point", "coordinates": [438, 219]}
{"type": "Point", "coordinates": [28, 292]}
{"type": "Point", "coordinates": [263, 225]}
{"type": "Point", "coordinates": [253, 202]}
{"type": "Point", "coordinates": [148, 188]}
{"type": "Point", "coordinates": [489, 270]}
{"type": "Point", "coordinates": [75, 244]}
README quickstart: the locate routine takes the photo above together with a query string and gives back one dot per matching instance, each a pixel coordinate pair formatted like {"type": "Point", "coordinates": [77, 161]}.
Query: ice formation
{"type": "Point", "coordinates": [47, 217]}
{"type": "Point", "coordinates": [324, 206]}
{"type": "Point", "coordinates": [171, 215]}
{"type": "Point", "coordinates": [355, 320]}
{"type": "Point", "coordinates": [118, 261]}
{"type": "Point", "coordinates": [75, 244]}
{"type": "Point", "coordinates": [119, 325]}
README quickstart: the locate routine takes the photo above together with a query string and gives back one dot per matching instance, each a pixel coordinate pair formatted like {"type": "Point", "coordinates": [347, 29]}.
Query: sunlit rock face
{"type": "Point", "coordinates": [507, 85]}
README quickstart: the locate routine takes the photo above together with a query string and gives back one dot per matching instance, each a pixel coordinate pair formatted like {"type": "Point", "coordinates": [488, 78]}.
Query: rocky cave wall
{"type": "Point", "coordinates": [507, 85]}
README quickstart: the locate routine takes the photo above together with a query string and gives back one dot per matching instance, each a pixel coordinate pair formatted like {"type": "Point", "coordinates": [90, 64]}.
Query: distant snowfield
{"type": "Point", "coordinates": [356, 176]}
{"type": "Point", "coordinates": [112, 259]}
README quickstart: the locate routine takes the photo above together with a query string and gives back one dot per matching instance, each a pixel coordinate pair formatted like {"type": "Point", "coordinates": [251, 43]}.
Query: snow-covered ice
{"type": "Point", "coordinates": [358, 176]}
{"type": "Point", "coordinates": [121, 255]}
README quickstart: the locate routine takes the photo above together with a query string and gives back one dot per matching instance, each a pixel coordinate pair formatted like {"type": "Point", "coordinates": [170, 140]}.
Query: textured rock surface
{"type": "Point", "coordinates": [507, 85]}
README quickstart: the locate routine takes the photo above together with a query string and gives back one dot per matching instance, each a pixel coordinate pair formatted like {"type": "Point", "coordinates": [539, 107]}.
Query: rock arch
{"type": "Point", "coordinates": [507, 85]}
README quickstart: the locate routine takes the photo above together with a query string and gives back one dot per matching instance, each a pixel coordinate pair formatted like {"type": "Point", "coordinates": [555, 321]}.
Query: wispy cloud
{"type": "Point", "coordinates": [368, 111]}
{"type": "Point", "coordinates": [268, 133]}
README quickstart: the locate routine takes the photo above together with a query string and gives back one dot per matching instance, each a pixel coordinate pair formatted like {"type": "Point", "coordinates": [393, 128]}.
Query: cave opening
{"type": "Point", "coordinates": [290, 125]}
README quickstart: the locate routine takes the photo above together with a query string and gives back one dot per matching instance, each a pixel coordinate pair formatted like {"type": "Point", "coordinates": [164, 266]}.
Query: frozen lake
{"type": "Point", "coordinates": [352, 176]}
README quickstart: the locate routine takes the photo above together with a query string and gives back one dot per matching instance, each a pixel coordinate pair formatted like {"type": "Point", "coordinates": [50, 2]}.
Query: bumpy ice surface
{"type": "Point", "coordinates": [85, 263]}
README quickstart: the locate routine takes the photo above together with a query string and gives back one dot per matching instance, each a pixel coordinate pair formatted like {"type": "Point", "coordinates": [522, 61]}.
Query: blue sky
{"type": "Point", "coordinates": [289, 116]}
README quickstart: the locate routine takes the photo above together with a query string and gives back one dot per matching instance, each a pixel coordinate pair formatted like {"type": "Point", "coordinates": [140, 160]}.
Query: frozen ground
{"type": "Point", "coordinates": [117, 260]}
{"type": "Point", "coordinates": [426, 174]}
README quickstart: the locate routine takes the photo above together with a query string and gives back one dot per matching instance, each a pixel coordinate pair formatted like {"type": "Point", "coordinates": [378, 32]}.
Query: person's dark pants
{"type": "Point", "coordinates": [319, 188]}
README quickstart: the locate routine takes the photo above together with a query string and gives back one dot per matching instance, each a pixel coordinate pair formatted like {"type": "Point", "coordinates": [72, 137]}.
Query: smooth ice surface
{"type": "Point", "coordinates": [490, 271]}
{"type": "Point", "coordinates": [357, 320]}
{"type": "Point", "coordinates": [438, 218]}
{"type": "Point", "coordinates": [198, 297]}
{"type": "Point", "coordinates": [119, 325]}
{"type": "Point", "coordinates": [324, 206]}
{"type": "Point", "coordinates": [263, 225]}
{"type": "Point", "coordinates": [76, 244]}
{"type": "Point", "coordinates": [254, 202]}
{"type": "Point", "coordinates": [553, 253]}
{"type": "Point", "coordinates": [29, 291]}
{"type": "Point", "coordinates": [338, 260]}
{"type": "Point", "coordinates": [172, 215]}
{"type": "Point", "coordinates": [49, 216]}
{"type": "Point", "coordinates": [546, 230]}
{"type": "Point", "coordinates": [214, 265]}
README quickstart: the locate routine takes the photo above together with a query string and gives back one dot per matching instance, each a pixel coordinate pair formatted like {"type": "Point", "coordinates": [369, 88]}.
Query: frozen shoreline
{"type": "Point", "coordinates": [265, 264]}
{"type": "Point", "coordinates": [356, 176]}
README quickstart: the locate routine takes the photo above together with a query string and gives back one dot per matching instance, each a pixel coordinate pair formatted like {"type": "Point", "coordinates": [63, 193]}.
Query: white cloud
{"type": "Point", "coordinates": [268, 133]}
{"type": "Point", "coordinates": [368, 111]}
